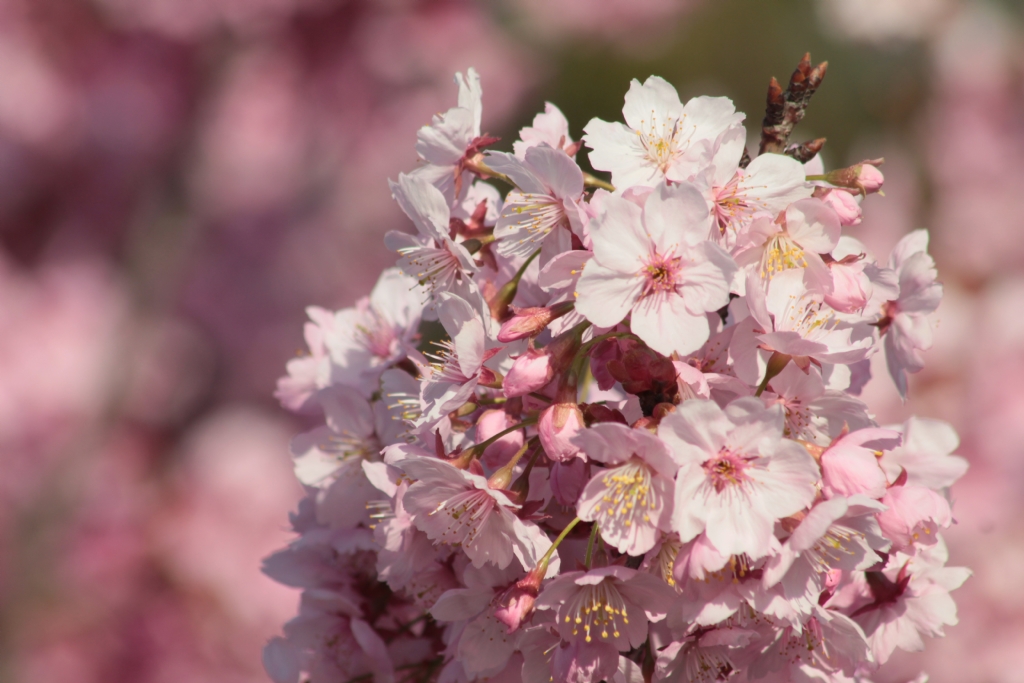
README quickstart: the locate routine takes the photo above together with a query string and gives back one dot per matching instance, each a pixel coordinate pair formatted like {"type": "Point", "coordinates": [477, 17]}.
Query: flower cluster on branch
{"type": "Point", "coordinates": [609, 430]}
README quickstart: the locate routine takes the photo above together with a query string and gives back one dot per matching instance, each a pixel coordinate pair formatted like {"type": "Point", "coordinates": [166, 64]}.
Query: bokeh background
{"type": "Point", "coordinates": [180, 178]}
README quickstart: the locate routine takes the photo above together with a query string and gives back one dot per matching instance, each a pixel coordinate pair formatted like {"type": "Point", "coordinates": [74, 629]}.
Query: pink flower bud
{"type": "Point", "coordinates": [558, 423]}
{"type": "Point", "coordinates": [871, 179]}
{"type": "Point", "coordinates": [498, 453]}
{"type": "Point", "coordinates": [530, 372]}
{"type": "Point", "coordinates": [516, 604]}
{"type": "Point", "coordinates": [863, 177]}
{"type": "Point", "coordinates": [567, 481]}
{"type": "Point", "coordinates": [844, 204]}
{"type": "Point", "coordinates": [527, 322]}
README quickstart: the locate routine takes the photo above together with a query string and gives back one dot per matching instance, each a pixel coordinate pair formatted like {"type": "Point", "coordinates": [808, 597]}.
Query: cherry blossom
{"type": "Point", "coordinates": [738, 474]}
{"type": "Point", "coordinates": [656, 264]}
{"type": "Point", "coordinates": [908, 322]}
{"type": "Point", "coordinates": [662, 139]}
{"type": "Point", "coordinates": [654, 384]}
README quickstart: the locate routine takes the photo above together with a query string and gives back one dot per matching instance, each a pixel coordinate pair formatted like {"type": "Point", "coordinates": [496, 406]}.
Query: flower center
{"type": "Point", "coordinates": [445, 364]}
{"type": "Point", "coordinates": [539, 215]}
{"type": "Point", "coordinates": [781, 253]}
{"type": "Point", "coordinates": [345, 445]}
{"type": "Point", "coordinates": [628, 496]}
{"type": "Point", "coordinates": [729, 205]}
{"type": "Point", "coordinates": [662, 143]}
{"type": "Point", "coordinates": [597, 609]}
{"type": "Point", "coordinates": [466, 512]}
{"type": "Point", "coordinates": [726, 469]}
{"type": "Point", "coordinates": [375, 333]}
{"type": "Point", "coordinates": [661, 274]}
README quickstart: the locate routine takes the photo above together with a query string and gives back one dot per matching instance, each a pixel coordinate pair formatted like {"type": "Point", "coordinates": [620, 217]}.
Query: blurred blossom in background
{"type": "Point", "coordinates": [179, 179]}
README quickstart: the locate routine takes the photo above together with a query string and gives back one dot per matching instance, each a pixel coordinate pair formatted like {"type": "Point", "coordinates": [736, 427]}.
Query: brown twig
{"type": "Point", "coordinates": [806, 151]}
{"type": "Point", "coordinates": [785, 109]}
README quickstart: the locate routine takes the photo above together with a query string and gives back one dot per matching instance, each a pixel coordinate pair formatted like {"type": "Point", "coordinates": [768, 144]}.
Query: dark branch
{"type": "Point", "coordinates": [806, 151]}
{"type": "Point", "coordinates": [785, 109]}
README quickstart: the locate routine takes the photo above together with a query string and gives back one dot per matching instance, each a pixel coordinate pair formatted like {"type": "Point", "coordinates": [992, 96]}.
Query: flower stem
{"type": "Point", "coordinates": [561, 537]}
{"type": "Point", "coordinates": [776, 364]}
{"type": "Point", "coordinates": [590, 545]}
{"type": "Point", "coordinates": [478, 448]}
{"type": "Point", "coordinates": [593, 181]}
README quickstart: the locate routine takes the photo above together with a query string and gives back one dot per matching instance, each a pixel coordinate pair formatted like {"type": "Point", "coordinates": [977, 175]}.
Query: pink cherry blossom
{"type": "Point", "coordinates": [805, 230]}
{"type": "Point", "coordinates": [850, 465]}
{"type": "Point", "coordinates": [908, 320]}
{"type": "Point", "coordinates": [432, 257]}
{"type": "Point", "coordinates": [443, 144]}
{"type": "Point", "coordinates": [542, 212]}
{"type": "Point", "coordinates": [662, 138]}
{"type": "Point", "coordinates": [550, 128]}
{"type": "Point", "coordinates": [610, 604]}
{"type": "Point", "coordinates": [738, 475]}
{"type": "Point", "coordinates": [656, 264]}
{"type": "Point", "coordinates": [631, 500]}
{"type": "Point", "coordinates": [457, 507]}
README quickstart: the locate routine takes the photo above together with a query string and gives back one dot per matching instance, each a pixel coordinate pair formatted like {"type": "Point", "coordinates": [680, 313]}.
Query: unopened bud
{"type": "Point", "coordinates": [843, 203]}
{"type": "Point", "coordinates": [516, 604]}
{"type": "Point", "coordinates": [863, 177]}
{"type": "Point", "coordinates": [527, 322]}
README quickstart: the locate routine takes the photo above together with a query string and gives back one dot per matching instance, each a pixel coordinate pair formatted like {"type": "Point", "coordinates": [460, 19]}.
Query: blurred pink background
{"type": "Point", "coordinates": [180, 178]}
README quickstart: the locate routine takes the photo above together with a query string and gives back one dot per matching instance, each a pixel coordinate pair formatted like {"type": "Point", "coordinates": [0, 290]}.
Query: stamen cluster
{"type": "Point", "coordinates": [608, 428]}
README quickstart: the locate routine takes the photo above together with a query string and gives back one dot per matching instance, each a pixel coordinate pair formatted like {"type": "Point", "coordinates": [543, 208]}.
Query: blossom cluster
{"type": "Point", "coordinates": [609, 430]}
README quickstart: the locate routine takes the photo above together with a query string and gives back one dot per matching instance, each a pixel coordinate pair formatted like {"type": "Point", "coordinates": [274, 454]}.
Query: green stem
{"type": "Point", "coordinates": [484, 169]}
{"type": "Point", "coordinates": [590, 546]}
{"type": "Point", "coordinates": [526, 264]}
{"type": "Point", "coordinates": [776, 364]}
{"type": "Point", "coordinates": [503, 477]}
{"type": "Point", "coordinates": [593, 181]}
{"type": "Point", "coordinates": [561, 537]}
{"type": "Point", "coordinates": [478, 448]}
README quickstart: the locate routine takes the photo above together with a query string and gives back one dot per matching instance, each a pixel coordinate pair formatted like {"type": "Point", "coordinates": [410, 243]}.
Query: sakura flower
{"type": "Point", "coordinates": [542, 212]}
{"type": "Point", "coordinates": [308, 373]}
{"type": "Point", "coordinates": [907, 599]}
{"type": "Point", "coordinates": [432, 257]}
{"type": "Point", "coordinates": [611, 604]}
{"type": "Point", "coordinates": [828, 644]}
{"type": "Point", "coordinates": [737, 474]}
{"type": "Point", "coordinates": [656, 264]}
{"type": "Point", "coordinates": [483, 644]}
{"type": "Point", "coordinates": [913, 514]}
{"type": "Point", "coordinates": [331, 457]}
{"type": "Point", "coordinates": [926, 454]}
{"type": "Point", "coordinates": [549, 128]}
{"type": "Point", "coordinates": [709, 655]}
{"type": "Point", "coordinates": [631, 500]}
{"type": "Point", "coordinates": [845, 203]}
{"type": "Point", "coordinates": [907, 322]}
{"type": "Point", "coordinates": [452, 136]}
{"type": "Point", "coordinates": [769, 184]}
{"type": "Point", "coordinates": [377, 333]}
{"type": "Point", "coordinates": [558, 424]}
{"type": "Point", "coordinates": [550, 658]}
{"type": "Point", "coordinates": [406, 560]}
{"type": "Point", "coordinates": [814, 413]}
{"type": "Point", "coordinates": [458, 366]}
{"type": "Point", "coordinates": [850, 465]}
{"type": "Point", "coordinates": [804, 231]}
{"type": "Point", "coordinates": [797, 323]}
{"type": "Point", "coordinates": [457, 507]}
{"type": "Point", "coordinates": [837, 534]}
{"type": "Point", "coordinates": [662, 138]}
